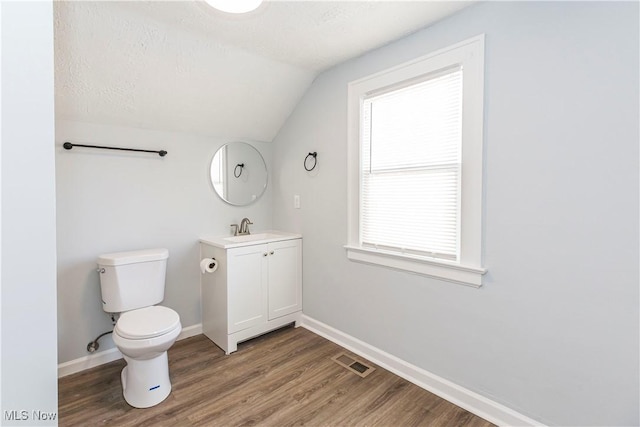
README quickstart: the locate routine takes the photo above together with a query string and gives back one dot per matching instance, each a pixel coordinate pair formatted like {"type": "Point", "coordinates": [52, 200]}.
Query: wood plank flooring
{"type": "Point", "coordinates": [285, 378]}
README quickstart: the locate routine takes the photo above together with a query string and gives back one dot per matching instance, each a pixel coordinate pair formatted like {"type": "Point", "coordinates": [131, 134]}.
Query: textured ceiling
{"type": "Point", "coordinates": [183, 66]}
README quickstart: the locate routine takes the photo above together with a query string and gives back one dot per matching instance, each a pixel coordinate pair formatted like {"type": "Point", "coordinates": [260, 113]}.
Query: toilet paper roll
{"type": "Point", "coordinates": [208, 265]}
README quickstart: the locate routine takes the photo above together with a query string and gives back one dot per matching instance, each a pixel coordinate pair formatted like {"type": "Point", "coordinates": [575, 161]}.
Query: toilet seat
{"type": "Point", "coordinates": [147, 322]}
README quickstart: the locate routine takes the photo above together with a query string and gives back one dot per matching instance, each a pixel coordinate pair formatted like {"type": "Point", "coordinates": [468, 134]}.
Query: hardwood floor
{"type": "Point", "coordinates": [285, 378]}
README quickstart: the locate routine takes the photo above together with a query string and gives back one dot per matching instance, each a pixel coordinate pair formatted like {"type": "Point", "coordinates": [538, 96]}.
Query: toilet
{"type": "Point", "coordinates": [131, 284]}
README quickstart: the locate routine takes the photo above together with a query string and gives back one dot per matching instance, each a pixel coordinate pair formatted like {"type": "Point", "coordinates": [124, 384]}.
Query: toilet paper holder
{"type": "Point", "coordinates": [208, 265]}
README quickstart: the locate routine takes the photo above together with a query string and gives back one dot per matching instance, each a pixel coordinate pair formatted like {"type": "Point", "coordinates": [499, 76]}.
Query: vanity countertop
{"type": "Point", "coordinates": [259, 238]}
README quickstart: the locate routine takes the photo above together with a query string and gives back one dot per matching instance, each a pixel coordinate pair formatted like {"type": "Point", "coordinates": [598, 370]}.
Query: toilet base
{"type": "Point", "coordinates": [146, 383]}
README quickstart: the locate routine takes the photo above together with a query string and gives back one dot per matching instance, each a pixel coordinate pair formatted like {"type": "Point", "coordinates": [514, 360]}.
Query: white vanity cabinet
{"type": "Point", "coordinates": [256, 288]}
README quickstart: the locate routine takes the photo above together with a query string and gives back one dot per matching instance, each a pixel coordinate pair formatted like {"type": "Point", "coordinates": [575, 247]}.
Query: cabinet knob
{"type": "Point", "coordinates": [271, 253]}
{"type": "Point", "coordinates": [265, 254]}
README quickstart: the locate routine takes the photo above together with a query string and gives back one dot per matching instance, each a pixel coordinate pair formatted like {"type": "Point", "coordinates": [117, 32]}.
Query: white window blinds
{"type": "Point", "coordinates": [410, 168]}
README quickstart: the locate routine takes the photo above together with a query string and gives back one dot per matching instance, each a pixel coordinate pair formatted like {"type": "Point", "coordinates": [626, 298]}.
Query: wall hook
{"type": "Point", "coordinates": [314, 156]}
{"type": "Point", "coordinates": [237, 173]}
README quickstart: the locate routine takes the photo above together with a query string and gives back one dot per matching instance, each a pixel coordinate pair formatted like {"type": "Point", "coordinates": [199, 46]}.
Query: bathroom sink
{"type": "Point", "coordinates": [252, 237]}
{"type": "Point", "coordinates": [226, 242]}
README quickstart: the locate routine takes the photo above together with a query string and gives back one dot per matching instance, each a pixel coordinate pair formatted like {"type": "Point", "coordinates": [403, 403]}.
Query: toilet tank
{"type": "Point", "coordinates": [131, 280]}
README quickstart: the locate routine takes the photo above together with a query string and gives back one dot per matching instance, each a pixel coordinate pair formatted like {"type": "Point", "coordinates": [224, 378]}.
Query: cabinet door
{"type": "Point", "coordinates": [285, 277]}
{"type": "Point", "coordinates": [247, 286]}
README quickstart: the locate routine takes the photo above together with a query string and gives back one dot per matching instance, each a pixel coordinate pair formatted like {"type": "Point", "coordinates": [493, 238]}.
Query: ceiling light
{"type": "Point", "coordinates": [234, 6]}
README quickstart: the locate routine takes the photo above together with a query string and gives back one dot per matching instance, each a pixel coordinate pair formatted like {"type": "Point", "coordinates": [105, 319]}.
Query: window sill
{"type": "Point", "coordinates": [439, 269]}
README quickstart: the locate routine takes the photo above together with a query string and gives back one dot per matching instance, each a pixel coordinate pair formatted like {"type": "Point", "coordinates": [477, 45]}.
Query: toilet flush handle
{"type": "Point", "coordinates": [100, 270]}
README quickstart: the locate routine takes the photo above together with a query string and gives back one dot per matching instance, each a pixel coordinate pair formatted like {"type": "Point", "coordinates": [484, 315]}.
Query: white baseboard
{"type": "Point", "coordinates": [88, 362]}
{"type": "Point", "coordinates": [460, 396]}
{"type": "Point", "coordinates": [106, 356]}
{"type": "Point", "coordinates": [190, 331]}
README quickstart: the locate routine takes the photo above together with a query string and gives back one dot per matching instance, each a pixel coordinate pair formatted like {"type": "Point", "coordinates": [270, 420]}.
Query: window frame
{"type": "Point", "coordinates": [468, 270]}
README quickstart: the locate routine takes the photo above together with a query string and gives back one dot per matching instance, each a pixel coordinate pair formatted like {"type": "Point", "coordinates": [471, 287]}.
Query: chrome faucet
{"type": "Point", "coordinates": [244, 227]}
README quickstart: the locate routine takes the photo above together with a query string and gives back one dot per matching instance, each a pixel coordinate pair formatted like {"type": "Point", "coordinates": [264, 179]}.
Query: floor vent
{"type": "Point", "coordinates": [356, 366]}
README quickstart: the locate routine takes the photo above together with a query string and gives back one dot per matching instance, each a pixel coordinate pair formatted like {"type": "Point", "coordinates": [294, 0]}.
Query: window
{"type": "Point", "coordinates": [415, 165]}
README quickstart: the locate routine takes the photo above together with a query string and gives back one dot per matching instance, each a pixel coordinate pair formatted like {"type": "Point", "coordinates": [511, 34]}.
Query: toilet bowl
{"type": "Point", "coordinates": [143, 336]}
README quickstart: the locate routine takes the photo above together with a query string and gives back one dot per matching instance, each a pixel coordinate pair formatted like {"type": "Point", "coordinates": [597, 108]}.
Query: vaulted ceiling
{"type": "Point", "coordinates": [182, 66]}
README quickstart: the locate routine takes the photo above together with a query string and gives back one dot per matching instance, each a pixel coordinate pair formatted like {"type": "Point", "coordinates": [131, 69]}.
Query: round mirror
{"type": "Point", "coordinates": [238, 173]}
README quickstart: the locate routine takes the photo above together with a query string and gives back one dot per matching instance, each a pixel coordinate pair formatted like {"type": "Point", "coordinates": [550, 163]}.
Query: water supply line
{"type": "Point", "coordinates": [93, 345]}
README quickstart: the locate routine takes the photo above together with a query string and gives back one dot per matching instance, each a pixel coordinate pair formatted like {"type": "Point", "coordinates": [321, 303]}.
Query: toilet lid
{"type": "Point", "coordinates": [147, 322]}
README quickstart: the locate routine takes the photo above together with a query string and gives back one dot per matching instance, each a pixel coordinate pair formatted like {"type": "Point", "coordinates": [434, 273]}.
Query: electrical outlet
{"type": "Point", "coordinates": [296, 201]}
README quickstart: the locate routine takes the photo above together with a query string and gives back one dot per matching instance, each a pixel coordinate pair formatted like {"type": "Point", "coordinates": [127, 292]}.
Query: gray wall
{"type": "Point", "coordinates": [28, 314]}
{"type": "Point", "coordinates": [111, 201]}
{"type": "Point", "coordinates": [554, 332]}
